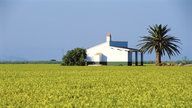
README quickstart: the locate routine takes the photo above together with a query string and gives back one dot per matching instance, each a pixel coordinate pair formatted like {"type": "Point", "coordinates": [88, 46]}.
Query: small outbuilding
{"type": "Point", "coordinates": [112, 53]}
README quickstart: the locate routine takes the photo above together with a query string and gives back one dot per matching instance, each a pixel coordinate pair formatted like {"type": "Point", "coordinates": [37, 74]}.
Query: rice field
{"type": "Point", "coordinates": [52, 85]}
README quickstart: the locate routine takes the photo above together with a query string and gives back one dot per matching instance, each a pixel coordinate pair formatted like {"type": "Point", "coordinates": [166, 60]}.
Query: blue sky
{"type": "Point", "coordinates": [46, 29]}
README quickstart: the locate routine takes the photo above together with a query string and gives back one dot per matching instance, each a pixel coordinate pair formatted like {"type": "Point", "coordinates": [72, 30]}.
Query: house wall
{"type": "Point", "coordinates": [109, 56]}
{"type": "Point", "coordinates": [117, 55]}
{"type": "Point", "coordinates": [92, 52]}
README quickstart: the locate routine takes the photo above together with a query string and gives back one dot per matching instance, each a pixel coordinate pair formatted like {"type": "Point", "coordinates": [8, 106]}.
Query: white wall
{"type": "Point", "coordinates": [92, 52]}
{"type": "Point", "coordinates": [109, 54]}
{"type": "Point", "coordinates": [117, 55]}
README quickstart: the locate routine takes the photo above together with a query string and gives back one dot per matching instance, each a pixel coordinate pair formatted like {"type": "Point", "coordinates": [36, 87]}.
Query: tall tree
{"type": "Point", "coordinates": [160, 42]}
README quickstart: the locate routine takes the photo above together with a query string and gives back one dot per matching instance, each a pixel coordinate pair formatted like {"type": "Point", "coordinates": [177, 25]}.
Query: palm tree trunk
{"type": "Point", "coordinates": [158, 58]}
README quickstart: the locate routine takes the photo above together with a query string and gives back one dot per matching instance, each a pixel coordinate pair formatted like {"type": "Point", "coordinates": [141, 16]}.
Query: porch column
{"type": "Point", "coordinates": [136, 59]}
{"type": "Point", "coordinates": [141, 59]}
{"type": "Point", "coordinates": [129, 58]}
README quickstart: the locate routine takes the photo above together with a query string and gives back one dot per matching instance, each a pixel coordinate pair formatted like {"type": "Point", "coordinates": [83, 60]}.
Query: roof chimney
{"type": "Point", "coordinates": [108, 38]}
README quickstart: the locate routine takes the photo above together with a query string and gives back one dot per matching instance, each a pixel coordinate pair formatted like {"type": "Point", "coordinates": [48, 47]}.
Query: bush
{"type": "Point", "coordinates": [74, 57]}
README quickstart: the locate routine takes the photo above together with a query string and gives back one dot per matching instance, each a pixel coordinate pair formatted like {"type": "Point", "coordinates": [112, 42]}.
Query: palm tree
{"type": "Point", "coordinates": [160, 42]}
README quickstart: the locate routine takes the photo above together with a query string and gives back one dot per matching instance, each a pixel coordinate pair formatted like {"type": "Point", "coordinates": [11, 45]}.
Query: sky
{"type": "Point", "coordinates": [47, 29]}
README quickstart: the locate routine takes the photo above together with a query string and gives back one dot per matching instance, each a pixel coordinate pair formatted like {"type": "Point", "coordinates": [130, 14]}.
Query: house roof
{"type": "Point", "coordinates": [119, 41]}
{"type": "Point", "coordinates": [97, 45]}
{"type": "Point", "coordinates": [121, 48]}
{"type": "Point", "coordinates": [125, 49]}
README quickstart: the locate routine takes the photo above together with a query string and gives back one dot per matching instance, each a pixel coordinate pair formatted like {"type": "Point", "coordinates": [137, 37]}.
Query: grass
{"type": "Point", "coordinates": [52, 85]}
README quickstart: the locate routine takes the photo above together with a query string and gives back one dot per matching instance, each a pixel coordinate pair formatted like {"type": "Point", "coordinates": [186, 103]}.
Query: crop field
{"type": "Point", "coordinates": [52, 85]}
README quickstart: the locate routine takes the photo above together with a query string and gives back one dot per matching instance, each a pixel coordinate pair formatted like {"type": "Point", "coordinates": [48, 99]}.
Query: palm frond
{"type": "Point", "coordinates": [159, 41]}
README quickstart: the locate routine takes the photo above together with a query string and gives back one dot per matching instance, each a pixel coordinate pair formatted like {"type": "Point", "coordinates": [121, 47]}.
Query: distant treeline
{"type": "Point", "coordinates": [177, 62]}
{"type": "Point", "coordinates": [59, 62]}
{"type": "Point", "coordinates": [30, 62]}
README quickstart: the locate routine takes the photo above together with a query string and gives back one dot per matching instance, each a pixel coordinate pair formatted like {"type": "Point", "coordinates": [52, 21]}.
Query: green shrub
{"type": "Point", "coordinates": [74, 57]}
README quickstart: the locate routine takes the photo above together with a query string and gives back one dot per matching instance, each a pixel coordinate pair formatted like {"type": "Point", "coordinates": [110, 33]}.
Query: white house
{"type": "Point", "coordinates": [112, 53]}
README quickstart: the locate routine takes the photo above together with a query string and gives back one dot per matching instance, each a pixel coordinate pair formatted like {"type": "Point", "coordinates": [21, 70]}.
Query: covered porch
{"type": "Point", "coordinates": [138, 61]}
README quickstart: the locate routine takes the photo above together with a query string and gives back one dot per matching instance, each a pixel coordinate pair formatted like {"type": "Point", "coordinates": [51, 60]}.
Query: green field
{"type": "Point", "coordinates": [52, 85]}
